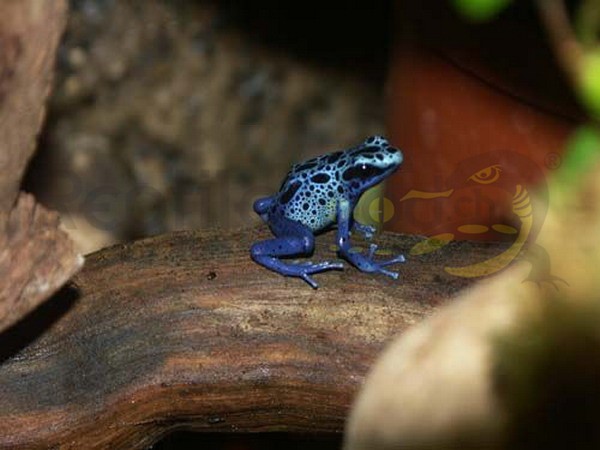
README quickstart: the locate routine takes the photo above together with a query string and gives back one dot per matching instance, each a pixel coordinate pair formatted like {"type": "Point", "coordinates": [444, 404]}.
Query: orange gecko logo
{"type": "Point", "coordinates": [468, 208]}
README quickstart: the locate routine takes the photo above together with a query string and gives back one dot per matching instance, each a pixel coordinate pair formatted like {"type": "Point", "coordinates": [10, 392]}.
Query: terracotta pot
{"type": "Point", "coordinates": [482, 114]}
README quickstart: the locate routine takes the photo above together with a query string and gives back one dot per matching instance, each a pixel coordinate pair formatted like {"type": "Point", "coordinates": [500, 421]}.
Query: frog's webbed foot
{"type": "Point", "coordinates": [388, 262]}
{"type": "Point", "coordinates": [305, 269]}
{"type": "Point", "coordinates": [367, 231]}
{"type": "Point", "coordinates": [368, 264]}
{"type": "Point", "coordinates": [364, 263]}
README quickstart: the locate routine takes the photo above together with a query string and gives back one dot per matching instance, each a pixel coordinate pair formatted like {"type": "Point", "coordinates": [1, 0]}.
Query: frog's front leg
{"type": "Point", "coordinates": [361, 262]}
{"type": "Point", "coordinates": [293, 239]}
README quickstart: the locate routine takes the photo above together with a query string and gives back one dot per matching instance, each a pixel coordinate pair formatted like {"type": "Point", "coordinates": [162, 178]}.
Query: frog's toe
{"type": "Point", "coordinates": [379, 265]}
{"type": "Point", "coordinates": [335, 265]}
{"type": "Point", "coordinates": [396, 260]}
{"type": "Point", "coordinates": [313, 284]}
{"type": "Point", "coordinates": [305, 269]}
{"type": "Point", "coordinates": [372, 249]}
{"type": "Point", "coordinates": [312, 267]}
{"type": "Point", "coordinates": [389, 273]}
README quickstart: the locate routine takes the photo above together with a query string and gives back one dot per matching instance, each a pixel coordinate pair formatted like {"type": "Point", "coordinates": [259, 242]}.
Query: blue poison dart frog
{"type": "Point", "coordinates": [315, 196]}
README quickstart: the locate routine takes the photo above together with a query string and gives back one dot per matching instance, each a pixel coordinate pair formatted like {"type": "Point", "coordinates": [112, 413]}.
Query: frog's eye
{"type": "Point", "coordinates": [488, 175]}
{"type": "Point", "coordinates": [362, 172]}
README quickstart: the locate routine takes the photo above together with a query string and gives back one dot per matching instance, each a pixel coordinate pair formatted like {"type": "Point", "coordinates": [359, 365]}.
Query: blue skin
{"type": "Point", "coordinates": [316, 195]}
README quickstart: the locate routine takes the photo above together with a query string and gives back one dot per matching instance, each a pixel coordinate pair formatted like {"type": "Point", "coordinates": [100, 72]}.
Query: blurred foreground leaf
{"type": "Point", "coordinates": [583, 151]}
{"type": "Point", "coordinates": [589, 83]}
{"type": "Point", "coordinates": [552, 396]}
{"type": "Point", "coordinates": [587, 22]}
{"type": "Point", "coordinates": [480, 10]}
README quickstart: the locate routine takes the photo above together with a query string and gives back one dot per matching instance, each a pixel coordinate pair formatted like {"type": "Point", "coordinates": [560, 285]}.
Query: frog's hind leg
{"type": "Point", "coordinates": [293, 239]}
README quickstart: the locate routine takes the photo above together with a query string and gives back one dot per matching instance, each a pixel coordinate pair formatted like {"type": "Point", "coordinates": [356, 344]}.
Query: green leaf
{"type": "Point", "coordinates": [589, 83]}
{"type": "Point", "coordinates": [480, 10]}
{"type": "Point", "coordinates": [583, 151]}
{"type": "Point", "coordinates": [587, 22]}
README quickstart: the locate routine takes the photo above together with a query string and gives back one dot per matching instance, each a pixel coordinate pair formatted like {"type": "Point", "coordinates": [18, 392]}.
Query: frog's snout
{"type": "Point", "coordinates": [396, 156]}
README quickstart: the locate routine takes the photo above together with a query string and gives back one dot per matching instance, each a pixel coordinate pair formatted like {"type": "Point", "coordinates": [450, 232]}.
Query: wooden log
{"type": "Point", "coordinates": [185, 331]}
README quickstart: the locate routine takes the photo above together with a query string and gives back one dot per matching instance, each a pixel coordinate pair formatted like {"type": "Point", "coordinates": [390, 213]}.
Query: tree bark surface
{"type": "Point", "coordinates": [185, 331]}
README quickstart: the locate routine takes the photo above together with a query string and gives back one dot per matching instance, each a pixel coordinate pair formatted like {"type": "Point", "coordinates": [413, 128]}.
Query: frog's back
{"type": "Point", "coordinates": [311, 190]}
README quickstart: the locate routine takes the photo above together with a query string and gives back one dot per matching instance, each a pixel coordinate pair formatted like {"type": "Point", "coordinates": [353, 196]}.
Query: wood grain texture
{"type": "Point", "coordinates": [185, 331]}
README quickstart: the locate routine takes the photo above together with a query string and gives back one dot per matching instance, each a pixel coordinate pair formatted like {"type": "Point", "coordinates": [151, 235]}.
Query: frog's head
{"type": "Point", "coordinates": [370, 163]}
